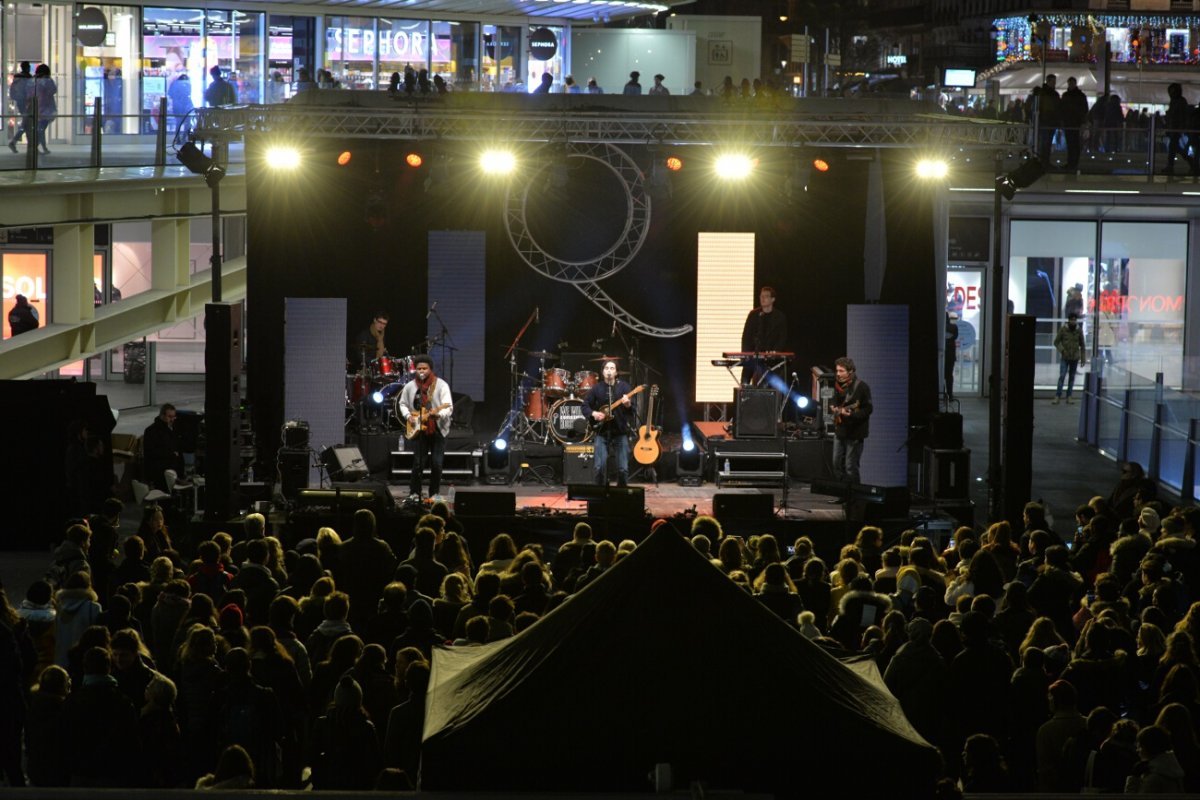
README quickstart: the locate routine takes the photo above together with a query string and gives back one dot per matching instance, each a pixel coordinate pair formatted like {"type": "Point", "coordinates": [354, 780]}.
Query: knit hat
{"type": "Point", "coordinates": [920, 630]}
{"type": "Point", "coordinates": [1149, 520]}
{"type": "Point", "coordinates": [348, 693]}
{"type": "Point", "coordinates": [230, 617]}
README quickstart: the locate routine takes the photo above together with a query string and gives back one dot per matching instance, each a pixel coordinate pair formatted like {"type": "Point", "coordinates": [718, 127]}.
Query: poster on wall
{"type": "Point", "coordinates": [720, 52]}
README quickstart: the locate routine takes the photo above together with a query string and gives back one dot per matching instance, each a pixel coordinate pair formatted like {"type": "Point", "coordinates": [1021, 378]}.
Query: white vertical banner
{"type": "Point", "coordinates": [725, 295]}
{"type": "Point", "coordinates": [877, 341]}
{"type": "Point", "coordinates": [314, 369]}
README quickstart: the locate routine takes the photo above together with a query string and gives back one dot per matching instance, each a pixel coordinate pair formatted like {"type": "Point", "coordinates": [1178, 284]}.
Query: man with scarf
{"type": "Point", "coordinates": [613, 426]}
{"type": "Point", "coordinates": [430, 395]}
{"type": "Point", "coordinates": [852, 414]}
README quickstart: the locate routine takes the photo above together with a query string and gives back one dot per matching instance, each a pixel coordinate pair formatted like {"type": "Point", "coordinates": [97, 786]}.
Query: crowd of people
{"type": "Point", "coordinates": [1032, 662]}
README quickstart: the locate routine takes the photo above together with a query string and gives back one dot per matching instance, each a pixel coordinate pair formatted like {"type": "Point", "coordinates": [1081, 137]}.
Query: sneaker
{"type": "Point", "coordinates": [1070, 401]}
{"type": "Point", "coordinates": [12, 146]}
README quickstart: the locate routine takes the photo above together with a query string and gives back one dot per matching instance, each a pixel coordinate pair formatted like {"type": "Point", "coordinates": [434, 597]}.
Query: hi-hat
{"type": "Point", "coordinates": [606, 358]}
{"type": "Point", "coordinates": [542, 354]}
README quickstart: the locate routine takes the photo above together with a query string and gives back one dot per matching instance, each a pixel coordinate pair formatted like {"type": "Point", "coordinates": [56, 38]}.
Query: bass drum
{"type": "Point", "coordinates": [569, 421]}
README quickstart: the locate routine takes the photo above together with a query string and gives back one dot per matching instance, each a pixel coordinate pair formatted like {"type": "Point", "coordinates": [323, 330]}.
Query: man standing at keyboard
{"type": "Point", "coordinates": [765, 331]}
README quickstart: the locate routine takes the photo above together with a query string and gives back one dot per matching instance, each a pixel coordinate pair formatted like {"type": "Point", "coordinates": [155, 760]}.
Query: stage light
{"type": "Point", "coordinates": [820, 165]}
{"type": "Point", "coordinates": [932, 169]}
{"type": "Point", "coordinates": [734, 166]}
{"type": "Point", "coordinates": [497, 162]}
{"type": "Point", "coordinates": [689, 460]}
{"type": "Point", "coordinates": [688, 445]}
{"type": "Point", "coordinates": [414, 160]}
{"type": "Point", "coordinates": [281, 158]}
{"type": "Point", "coordinates": [377, 398]}
{"type": "Point", "coordinates": [197, 163]}
{"type": "Point", "coordinates": [344, 158]}
{"type": "Point", "coordinates": [802, 401]}
{"type": "Point", "coordinates": [501, 444]}
{"type": "Point", "coordinates": [674, 163]}
{"type": "Point", "coordinates": [1020, 178]}
{"type": "Point", "coordinates": [497, 462]}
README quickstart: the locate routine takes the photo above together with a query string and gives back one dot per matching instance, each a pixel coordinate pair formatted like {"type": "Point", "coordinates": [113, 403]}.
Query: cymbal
{"type": "Point", "coordinates": [543, 355]}
{"type": "Point", "coordinates": [607, 358]}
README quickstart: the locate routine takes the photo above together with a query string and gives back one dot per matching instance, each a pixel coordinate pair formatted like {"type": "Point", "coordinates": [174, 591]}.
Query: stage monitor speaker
{"type": "Point", "coordinates": [344, 463]}
{"type": "Point", "coordinates": [379, 489]}
{"type": "Point", "coordinates": [627, 502]}
{"type": "Point", "coordinates": [810, 459]}
{"type": "Point", "coordinates": [293, 472]}
{"type": "Point", "coordinates": [484, 504]}
{"type": "Point", "coordinates": [946, 431]}
{"type": "Point", "coordinates": [757, 412]}
{"type": "Point", "coordinates": [464, 411]}
{"type": "Point", "coordinates": [728, 505]}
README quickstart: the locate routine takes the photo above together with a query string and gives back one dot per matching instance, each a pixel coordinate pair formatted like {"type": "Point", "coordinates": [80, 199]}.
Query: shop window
{"type": "Point", "coordinates": [500, 58]}
{"type": "Point", "coordinates": [455, 53]}
{"type": "Point", "coordinates": [25, 274]}
{"type": "Point", "coordinates": [109, 73]}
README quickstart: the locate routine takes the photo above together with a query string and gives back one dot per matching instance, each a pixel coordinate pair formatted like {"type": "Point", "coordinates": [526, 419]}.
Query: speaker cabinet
{"type": "Point", "coordinates": [946, 474]}
{"type": "Point", "coordinates": [293, 472]}
{"type": "Point", "coordinates": [578, 461]}
{"type": "Point", "coordinates": [727, 505]}
{"type": "Point", "coordinates": [222, 406]}
{"type": "Point", "coordinates": [757, 412]}
{"type": "Point", "coordinates": [485, 504]}
{"type": "Point", "coordinates": [946, 431]}
{"type": "Point", "coordinates": [377, 450]}
{"type": "Point", "coordinates": [1017, 470]}
{"type": "Point", "coordinates": [618, 503]}
{"type": "Point", "coordinates": [344, 463]}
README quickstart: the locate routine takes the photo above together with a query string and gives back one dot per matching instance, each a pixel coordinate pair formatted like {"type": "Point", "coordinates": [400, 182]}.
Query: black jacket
{"type": "Point", "coordinates": [622, 415]}
{"type": "Point", "coordinates": [160, 452]}
{"type": "Point", "coordinates": [764, 332]}
{"type": "Point", "coordinates": [857, 425]}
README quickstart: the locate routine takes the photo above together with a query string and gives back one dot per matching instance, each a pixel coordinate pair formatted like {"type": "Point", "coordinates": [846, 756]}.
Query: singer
{"type": "Point", "coordinates": [427, 405]}
{"type": "Point", "coordinates": [613, 417]}
{"type": "Point", "coordinates": [765, 331]}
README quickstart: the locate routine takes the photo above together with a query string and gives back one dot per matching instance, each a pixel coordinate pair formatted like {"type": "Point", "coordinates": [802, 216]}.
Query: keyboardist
{"type": "Point", "coordinates": [766, 330]}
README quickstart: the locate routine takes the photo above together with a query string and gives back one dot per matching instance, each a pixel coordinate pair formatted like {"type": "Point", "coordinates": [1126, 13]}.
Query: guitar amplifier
{"type": "Point", "coordinates": [577, 463]}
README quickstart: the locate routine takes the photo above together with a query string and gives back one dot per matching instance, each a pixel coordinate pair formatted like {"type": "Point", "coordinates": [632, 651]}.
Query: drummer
{"type": "Point", "coordinates": [368, 344]}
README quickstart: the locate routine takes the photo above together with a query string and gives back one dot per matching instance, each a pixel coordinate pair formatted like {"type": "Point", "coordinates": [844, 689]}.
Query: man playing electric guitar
{"type": "Point", "coordinates": [612, 426]}
{"type": "Point", "coordinates": [427, 407]}
{"type": "Point", "coordinates": [852, 413]}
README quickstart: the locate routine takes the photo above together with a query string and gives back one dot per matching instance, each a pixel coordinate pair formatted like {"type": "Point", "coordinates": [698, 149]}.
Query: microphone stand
{"type": "Point", "coordinates": [786, 397]}
{"type": "Point", "coordinates": [443, 338]}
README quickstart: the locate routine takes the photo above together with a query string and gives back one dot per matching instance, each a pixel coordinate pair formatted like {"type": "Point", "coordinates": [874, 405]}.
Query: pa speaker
{"type": "Point", "coordinates": [627, 502]}
{"type": "Point", "coordinates": [293, 472]}
{"type": "Point", "coordinates": [756, 413]}
{"type": "Point", "coordinates": [485, 504]}
{"type": "Point", "coordinates": [728, 505]}
{"type": "Point", "coordinates": [344, 463]}
{"type": "Point", "coordinates": [946, 431]}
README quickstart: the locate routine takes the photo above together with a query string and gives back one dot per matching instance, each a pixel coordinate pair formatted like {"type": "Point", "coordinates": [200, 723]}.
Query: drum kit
{"type": "Point", "coordinates": [373, 390]}
{"type": "Point", "coordinates": [551, 404]}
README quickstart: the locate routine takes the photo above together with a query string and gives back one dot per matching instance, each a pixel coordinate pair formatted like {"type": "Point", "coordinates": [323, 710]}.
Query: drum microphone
{"type": "Point", "coordinates": [431, 309]}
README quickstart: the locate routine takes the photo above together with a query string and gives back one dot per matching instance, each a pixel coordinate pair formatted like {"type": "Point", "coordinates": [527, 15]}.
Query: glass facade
{"type": "Point", "coordinates": [1132, 38]}
{"type": "Point", "coordinates": [556, 65]}
{"type": "Point", "coordinates": [500, 58]}
{"type": "Point", "coordinates": [109, 73]}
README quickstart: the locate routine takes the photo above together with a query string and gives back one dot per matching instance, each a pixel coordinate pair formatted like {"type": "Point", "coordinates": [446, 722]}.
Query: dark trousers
{"type": "Point", "coordinates": [1073, 147]}
{"type": "Point", "coordinates": [427, 448]}
{"type": "Point", "coordinates": [611, 444]}
{"type": "Point", "coordinates": [847, 453]}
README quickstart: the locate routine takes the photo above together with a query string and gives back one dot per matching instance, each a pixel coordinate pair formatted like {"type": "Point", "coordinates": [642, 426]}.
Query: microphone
{"type": "Point", "coordinates": [795, 377]}
{"type": "Point", "coordinates": [431, 309]}
{"type": "Point", "coordinates": [537, 314]}
{"type": "Point", "coordinates": [614, 327]}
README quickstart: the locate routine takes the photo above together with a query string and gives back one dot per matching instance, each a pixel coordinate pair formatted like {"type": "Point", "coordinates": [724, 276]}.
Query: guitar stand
{"type": "Point", "coordinates": [537, 472]}
{"type": "Point", "coordinates": [645, 469]}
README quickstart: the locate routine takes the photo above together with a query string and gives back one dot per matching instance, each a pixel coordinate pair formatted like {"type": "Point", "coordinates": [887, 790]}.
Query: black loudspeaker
{"type": "Point", "coordinates": [578, 460]}
{"type": "Point", "coordinates": [187, 429]}
{"type": "Point", "coordinates": [222, 407]}
{"type": "Point", "coordinates": [810, 459]}
{"type": "Point", "coordinates": [484, 504]}
{"type": "Point", "coordinates": [757, 412]}
{"type": "Point", "coordinates": [727, 505]}
{"type": "Point", "coordinates": [946, 431]}
{"type": "Point", "coordinates": [344, 463]}
{"type": "Point", "coordinates": [377, 450]}
{"type": "Point", "coordinates": [379, 490]}
{"type": "Point", "coordinates": [946, 474]}
{"type": "Point", "coordinates": [295, 434]}
{"type": "Point", "coordinates": [623, 503]}
{"type": "Point", "coordinates": [464, 411]}
{"type": "Point", "coordinates": [876, 503]}
{"type": "Point", "coordinates": [1017, 470]}
{"type": "Point", "coordinates": [293, 472]}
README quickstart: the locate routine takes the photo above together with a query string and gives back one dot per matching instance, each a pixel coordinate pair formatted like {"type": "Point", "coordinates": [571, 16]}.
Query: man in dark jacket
{"type": "Point", "coordinates": [1074, 108]}
{"type": "Point", "coordinates": [852, 411]}
{"type": "Point", "coordinates": [1056, 591]}
{"type": "Point", "coordinates": [161, 450]}
{"type": "Point", "coordinates": [917, 676]}
{"type": "Point", "coordinates": [1178, 116]}
{"type": "Point", "coordinates": [23, 317]}
{"type": "Point", "coordinates": [364, 567]}
{"type": "Point", "coordinates": [255, 579]}
{"type": "Point", "coordinates": [99, 724]}
{"type": "Point", "coordinates": [1045, 103]}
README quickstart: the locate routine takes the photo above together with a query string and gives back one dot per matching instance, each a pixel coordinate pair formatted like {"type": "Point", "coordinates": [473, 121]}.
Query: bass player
{"type": "Point", "coordinates": [427, 408]}
{"type": "Point", "coordinates": [613, 418]}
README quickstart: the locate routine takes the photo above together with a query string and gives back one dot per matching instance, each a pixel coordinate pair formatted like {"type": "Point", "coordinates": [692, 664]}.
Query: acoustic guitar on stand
{"type": "Point", "coordinates": [647, 450]}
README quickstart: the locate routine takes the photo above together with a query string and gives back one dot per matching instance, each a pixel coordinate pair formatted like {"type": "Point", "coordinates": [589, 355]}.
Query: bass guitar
{"type": "Point", "coordinates": [647, 450]}
{"type": "Point", "coordinates": [422, 421]}
{"type": "Point", "coordinates": [607, 410]}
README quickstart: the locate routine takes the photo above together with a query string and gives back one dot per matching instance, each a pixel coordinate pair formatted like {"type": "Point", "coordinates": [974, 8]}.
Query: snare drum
{"type": "Point", "coordinates": [537, 404]}
{"type": "Point", "coordinates": [557, 382]}
{"type": "Point", "coordinates": [584, 380]}
{"type": "Point", "coordinates": [384, 367]}
{"type": "Point", "coordinates": [569, 421]}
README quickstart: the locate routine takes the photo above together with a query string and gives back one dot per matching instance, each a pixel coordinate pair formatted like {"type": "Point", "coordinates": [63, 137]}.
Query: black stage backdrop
{"type": "Point", "coordinates": [360, 232]}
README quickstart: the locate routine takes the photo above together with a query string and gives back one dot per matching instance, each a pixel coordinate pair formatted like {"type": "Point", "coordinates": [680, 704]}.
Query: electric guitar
{"type": "Point", "coordinates": [424, 422]}
{"type": "Point", "coordinates": [647, 451]}
{"type": "Point", "coordinates": [842, 413]}
{"type": "Point", "coordinates": [607, 410]}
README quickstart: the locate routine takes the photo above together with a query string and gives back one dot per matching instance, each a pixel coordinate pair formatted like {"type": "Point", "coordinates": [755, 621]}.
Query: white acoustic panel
{"type": "Point", "coordinates": [877, 341]}
{"type": "Point", "coordinates": [314, 369]}
{"type": "Point", "coordinates": [458, 284]}
{"type": "Point", "coordinates": [725, 295]}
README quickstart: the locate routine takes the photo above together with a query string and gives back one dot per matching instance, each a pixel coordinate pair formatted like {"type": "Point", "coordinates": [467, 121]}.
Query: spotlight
{"type": "Point", "coordinates": [498, 162]}
{"type": "Point", "coordinates": [688, 445]}
{"type": "Point", "coordinates": [674, 163]}
{"type": "Point", "coordinates": [377, 398]}
{"type": "Point", "coordinates": [932, 169]}
{"type": "Point", "coordinates": [734, 166]}
{"type": "Point", "coordinates": [197, 163]}
{"type": "Point", "coordinates": [820, 165]}
{"type": "Point", "coordinates": [497, 462]}
{"type": "Point", "coordinates": [802, 401]}
{"type": "Point", "coordinates": [414, 160]}
{"type": "Point", "coordinates": [281, 158]}
{"type": "Point", "coordinates": [689, 460]}
{"type": "Point", "coordinates": [344, 158]}
{"type": "Point", "coordinates": [1020, 178]}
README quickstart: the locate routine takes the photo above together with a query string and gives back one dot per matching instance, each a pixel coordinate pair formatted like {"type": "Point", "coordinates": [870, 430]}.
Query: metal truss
{"type": "Point", "coordinates": [627, 245]}
{"type": "Point", "coordinates": [593, 292]}
{"type": "Point", "coordinates": [766, 128]}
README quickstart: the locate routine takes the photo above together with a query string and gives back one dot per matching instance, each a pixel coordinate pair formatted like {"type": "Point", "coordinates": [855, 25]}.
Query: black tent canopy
{"type": "Point", "coordinates": [664, 660]}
